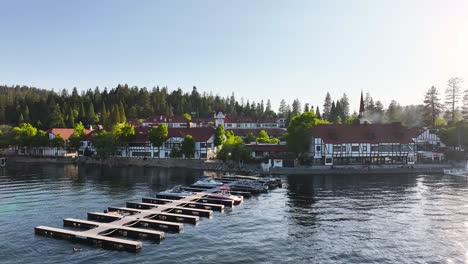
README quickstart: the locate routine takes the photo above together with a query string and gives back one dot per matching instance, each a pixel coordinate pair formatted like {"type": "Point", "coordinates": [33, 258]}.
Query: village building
{"type": "Point", "coordinates": [429, 146]}
{"type": "Point", "coordinates": [272, 155]}
{"type": "Point", "coordinates": [239, 122]}
{"type": "Point", "coordinates": [170, 121]}
{"type": "Point", "coordinates": [141, 147]}
{"type": "Point", "coordinates": [362, 144]}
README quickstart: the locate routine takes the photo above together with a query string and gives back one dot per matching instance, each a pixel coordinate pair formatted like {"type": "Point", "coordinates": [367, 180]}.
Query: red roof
{"type": "Point", "coordinates": [65, 133]}
{"type": "Point", "coordinates": [166, 119]}
{"type": "Point", "coordinates": [365, 133]}
{"type": "Point", "coordinates": [200, 134]}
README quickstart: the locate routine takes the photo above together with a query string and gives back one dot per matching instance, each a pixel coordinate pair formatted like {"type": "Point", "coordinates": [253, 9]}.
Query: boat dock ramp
{"type": "Point", "coordinates": [152, 217]}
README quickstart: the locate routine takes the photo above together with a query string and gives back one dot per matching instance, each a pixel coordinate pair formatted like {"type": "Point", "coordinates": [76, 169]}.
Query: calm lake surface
{"type": "Point", "coordinates": [314, 219]}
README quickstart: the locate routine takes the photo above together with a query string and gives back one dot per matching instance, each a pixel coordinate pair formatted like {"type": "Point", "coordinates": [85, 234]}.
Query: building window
{"type": "Point", "coordinates": [336, 148]}
{"type": "Point", "coordinates": [328, 160]}
{"type": "Point", "coordinates": [355, 148]}
{"type": "Point", "coordinates": [374, 148]}
{"type": "Point", "coordinates": [202, 145]}
{"type": "Point", "coordinates": [318, 148]}
{"type": "Point", "coordinates": [364, 148]}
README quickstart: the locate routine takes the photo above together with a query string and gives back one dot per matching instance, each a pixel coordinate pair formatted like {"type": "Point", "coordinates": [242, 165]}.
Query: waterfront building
{"type": "Point", "coordinates": [243, 122]}
{"type": "Point", "coordinates": [272, 155]}
{"type": "Point", "coordinates": [363, 144]}
{"type": "Point", "coordinates": [141, 147]}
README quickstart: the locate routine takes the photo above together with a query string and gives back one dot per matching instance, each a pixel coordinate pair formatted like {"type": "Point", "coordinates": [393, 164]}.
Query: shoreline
{"type": "Point", "coordinates": [219, 166]}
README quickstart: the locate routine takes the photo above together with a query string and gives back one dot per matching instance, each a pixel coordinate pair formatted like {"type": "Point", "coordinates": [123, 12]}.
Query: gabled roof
{"type": "Point", "coordinates": [365, 133]}
{"type": "Point", "coordinates": [166, 119]}
{"type": "Point", "coordinates": [199, 134]}
{"type": "Point", "coordinates": [65, 133]}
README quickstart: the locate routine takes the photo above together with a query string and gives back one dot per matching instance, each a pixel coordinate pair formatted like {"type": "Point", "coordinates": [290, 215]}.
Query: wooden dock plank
{"type": "Point", "coordinates": [96, 240]}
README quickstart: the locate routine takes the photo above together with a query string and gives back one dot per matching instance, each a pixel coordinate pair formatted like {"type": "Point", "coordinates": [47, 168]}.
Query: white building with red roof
{"type": "Point", "coordinates": [141, 147]}
{"type": "Point", "coordinates": [363, 144]}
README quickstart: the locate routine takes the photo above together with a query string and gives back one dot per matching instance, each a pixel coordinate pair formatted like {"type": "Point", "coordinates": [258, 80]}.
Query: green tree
{"type": "Point", "coordinates": [432, 106]}
{"type": "Point", "coordinates": [77, 136]}
{"type": "Point", "coordinates": [393, 113]}
{"type": "Point", "coordinates": [263, 137]}
{"type": "Point", "coordinates": [187, 116]}
{"type": "Point", "coordinates": [452, 96]}
{"type": "Point", "coordinates": [298, 133]}
{"type": "Point", "coordinates": [122, 115]}
{"type": "Point", "coordinates": [41, 139]}
{"type": "Point", "coordinates": [56, 118]}
{"type": "Point", "coordinates": [250, 138]}
{"type": "Point", "coordinates": [158, 135]}
{"type": "Point", "coordinates": [234, 149]}
{"type": "Point", "coordinates": [327, 107]}
{"type": "Point", "coordinates": [57, 142]}
{"type": "Point", "coordinates": [24, 134]}
{"type": "Point", "coordinates": [220, 137]}
{"type": "Point", "coordinates": [188, 146]}
{"type": "Point", "coordinates": [105, 144]}
{"type": "Point", "coordinates": [123, 133]}
{"type": "Point", "coordinates": [90, 114]}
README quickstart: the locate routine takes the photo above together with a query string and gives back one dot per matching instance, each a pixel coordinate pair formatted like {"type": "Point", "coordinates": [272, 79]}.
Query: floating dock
{"type": "Point", "coordinates": [148, 219]}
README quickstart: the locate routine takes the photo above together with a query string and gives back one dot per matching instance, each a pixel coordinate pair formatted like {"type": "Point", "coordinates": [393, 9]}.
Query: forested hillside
{"type": "Point", "coordinates": [45, 108]}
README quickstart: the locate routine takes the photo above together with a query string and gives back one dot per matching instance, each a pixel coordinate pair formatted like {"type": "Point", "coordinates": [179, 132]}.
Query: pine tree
{"type": "Point", "coordinates": [332, 117]}
{"type": "Point", "coordinates": [122, 116]}
{"type": "Point", "coordinates": [452, 96]}
{"type": "Point", "coordinates": [82, 114]}
{"type": "Point", "coordinates": [56, 117]}
{"type": "Point", "coordinates": [327, 106]}
{"type": "Point", "coordinates": [393, 113]}
{"type": "Point", "coordinates": [344, 102]}
{"type": "Point", "coordinates": [338, 112]}
{"type": "Point", "coordinates": [115, 115]}
{"type": "Point", "coordinates": [282, 108]}
{"type": "Point", "coordinates": [90, 115]}
{"type": "Point", "coordinates": [432, 106]}
{"type": "Point", "coordinates": [465, 105]}
{"type": "Point", "coordinates": [26, 114]}
{"type": "Point", "coordinates": [296, 107]}
{"type": "Point", "coordinates": [317, 113]}
{"type": "Point", "coordinates": [306, 107]}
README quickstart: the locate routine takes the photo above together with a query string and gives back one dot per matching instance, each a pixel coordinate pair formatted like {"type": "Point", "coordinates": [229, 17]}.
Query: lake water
{"type": "Point", "coordinates": [314, 219]}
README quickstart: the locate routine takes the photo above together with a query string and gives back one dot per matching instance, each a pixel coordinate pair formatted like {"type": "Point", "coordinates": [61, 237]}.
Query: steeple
{"type": "Point", "coordinates": [361, 106]}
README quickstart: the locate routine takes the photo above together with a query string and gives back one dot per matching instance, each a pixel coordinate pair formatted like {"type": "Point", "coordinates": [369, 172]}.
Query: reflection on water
{"type": "Point", "coordinates": [314, 219]}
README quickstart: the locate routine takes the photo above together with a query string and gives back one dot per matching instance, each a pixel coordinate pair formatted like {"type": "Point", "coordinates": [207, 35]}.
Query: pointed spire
{"type": "Point", "coordinates": [361, 106]}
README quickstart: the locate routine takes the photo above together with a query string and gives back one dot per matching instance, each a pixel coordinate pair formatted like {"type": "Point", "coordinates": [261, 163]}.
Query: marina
{"type": "Point", "coordinates": [152, 217]}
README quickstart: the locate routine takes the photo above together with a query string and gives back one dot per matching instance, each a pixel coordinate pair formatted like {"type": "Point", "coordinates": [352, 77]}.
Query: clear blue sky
{"type": "Point", "coordinates": [257, 49]}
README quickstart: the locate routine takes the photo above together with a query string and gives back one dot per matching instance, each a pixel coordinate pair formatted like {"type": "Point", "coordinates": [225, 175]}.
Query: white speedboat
{"type": "Point", "coordinates": [225, 195]}
{"type": "Point", "coordinates": [207, 183]}
{"type": "Point", "coordinates": [457, 172]}
{"type": "Point", "coordinates": [177, 191]}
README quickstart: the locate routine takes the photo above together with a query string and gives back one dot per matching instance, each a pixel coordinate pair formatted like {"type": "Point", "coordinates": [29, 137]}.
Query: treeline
{"type": "Point", "coordinates": [45, 109]}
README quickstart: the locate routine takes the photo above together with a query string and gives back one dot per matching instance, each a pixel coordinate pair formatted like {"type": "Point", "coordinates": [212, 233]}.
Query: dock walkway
{"type": "Point", "coordinates": [149, 219]}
